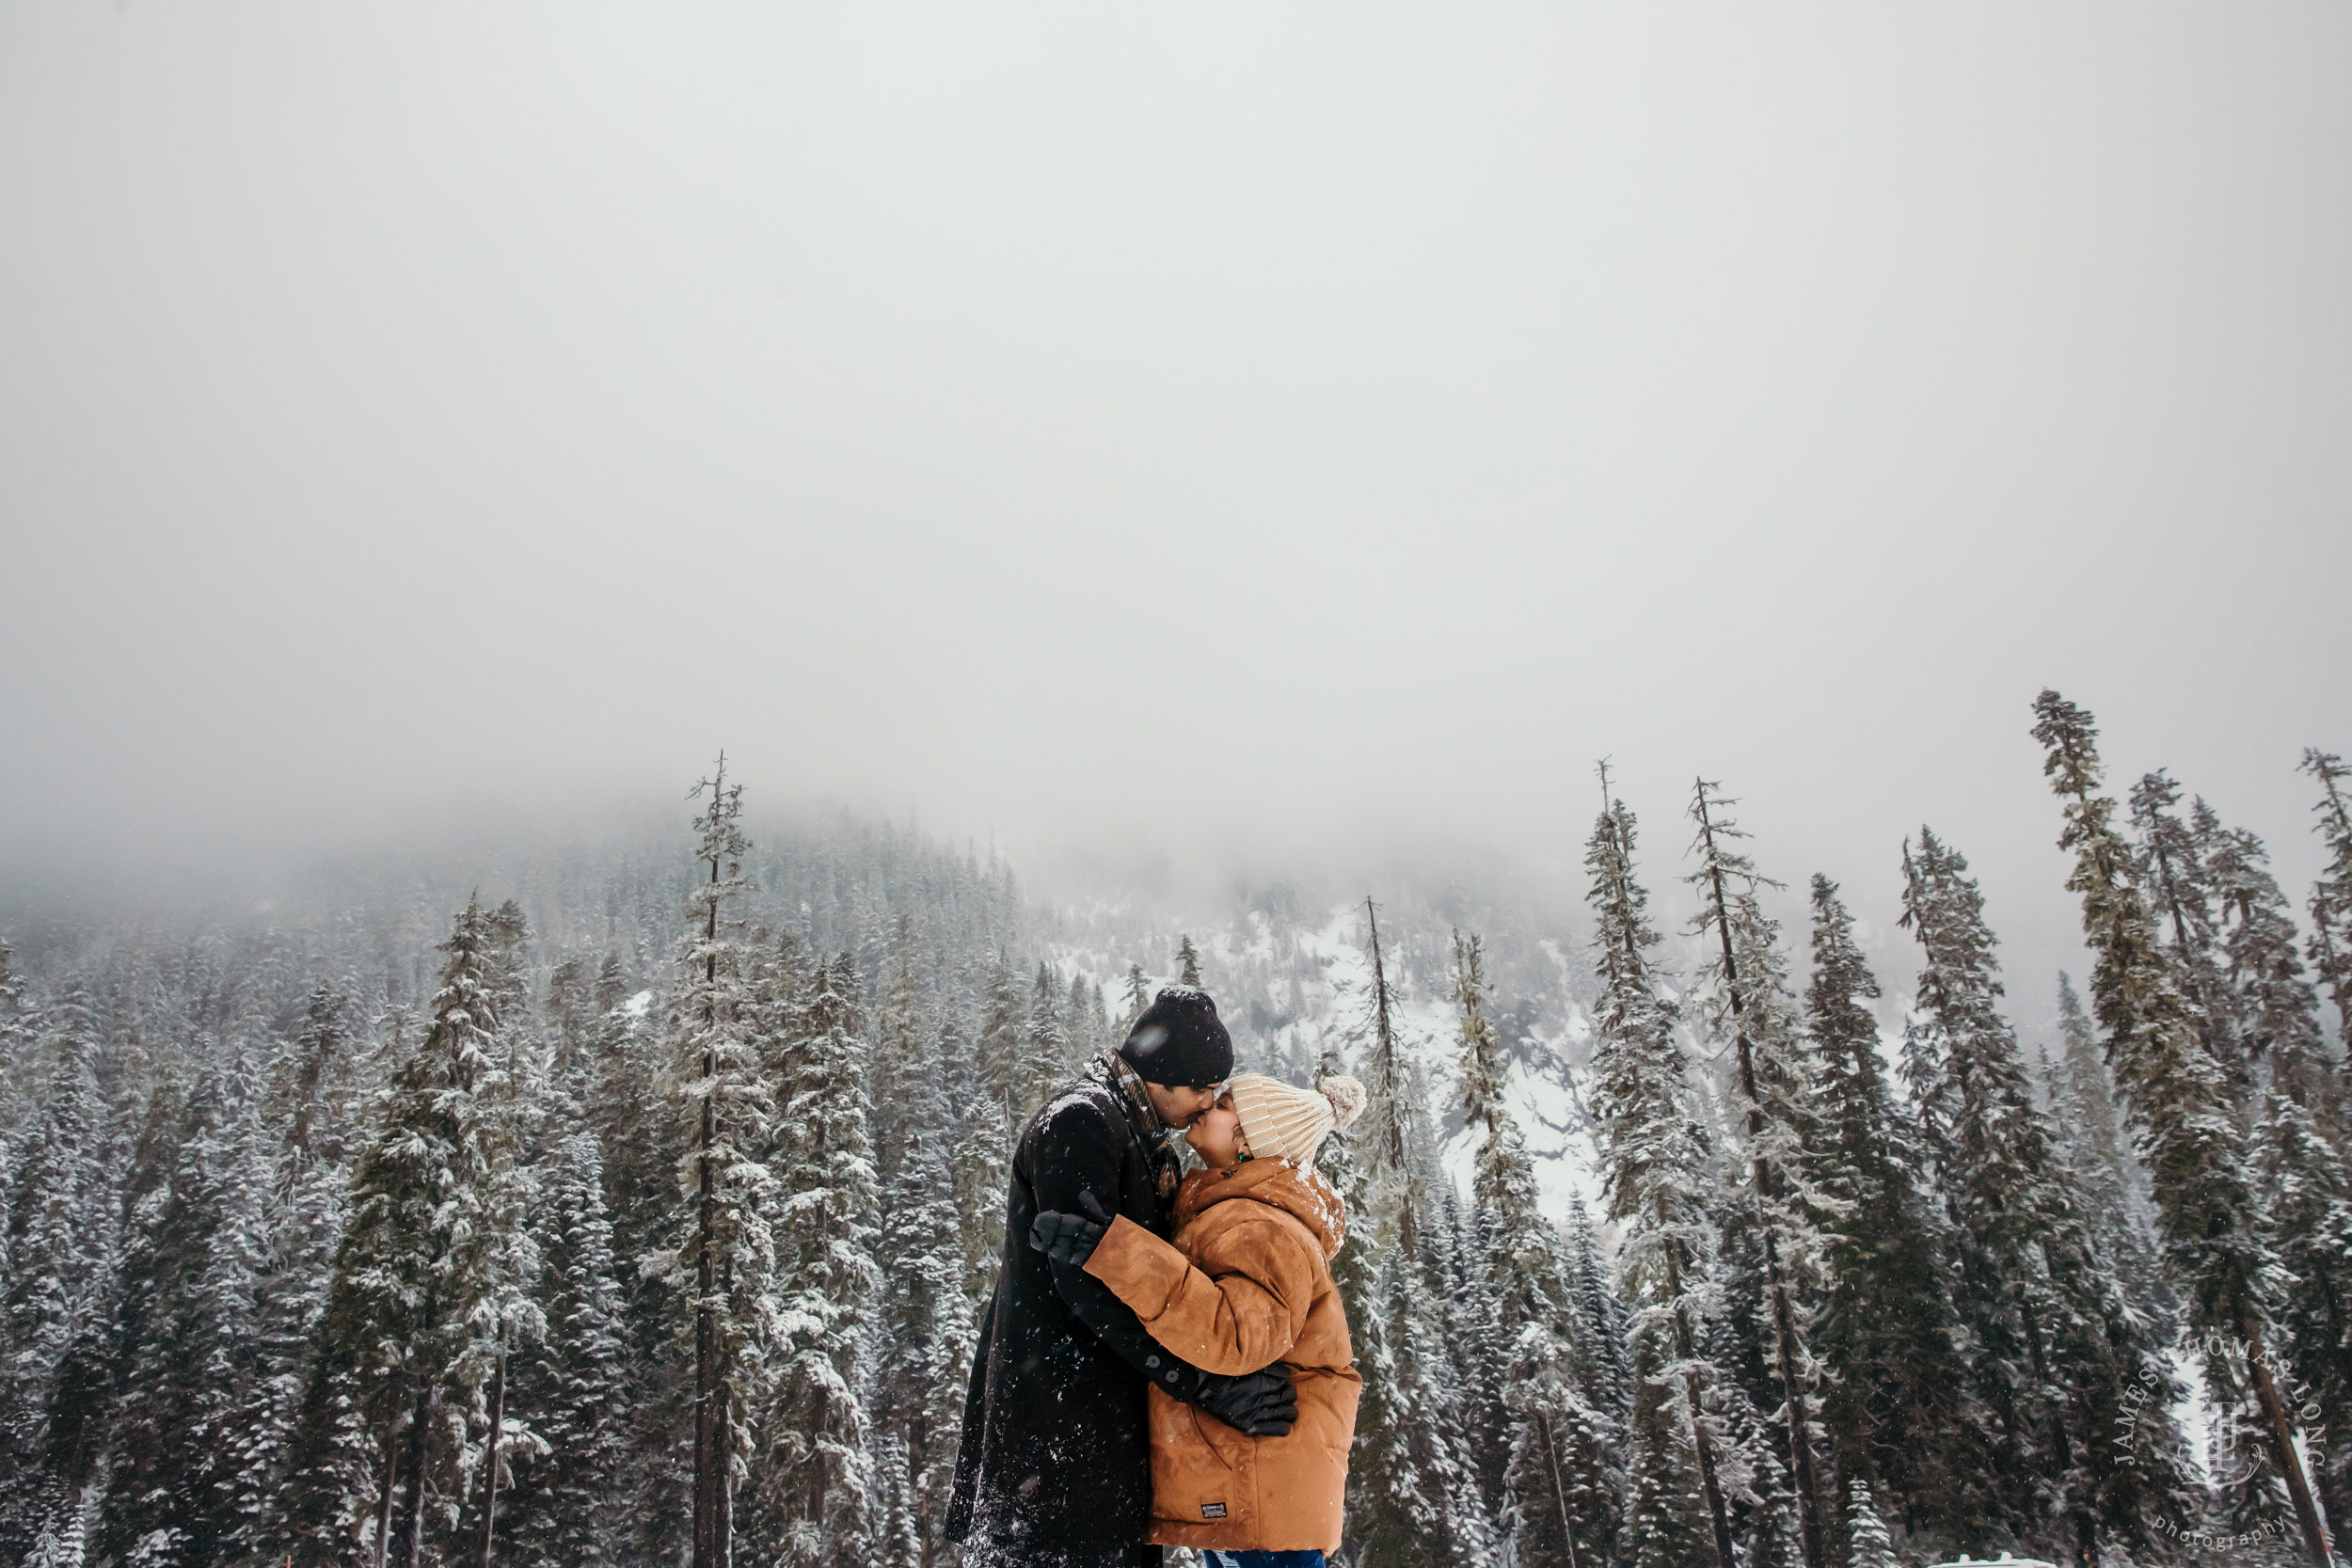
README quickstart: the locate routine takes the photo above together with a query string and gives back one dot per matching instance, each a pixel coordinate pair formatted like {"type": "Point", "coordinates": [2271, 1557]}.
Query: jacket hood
{"type": "Point", "coordinates": [1302, 1194]}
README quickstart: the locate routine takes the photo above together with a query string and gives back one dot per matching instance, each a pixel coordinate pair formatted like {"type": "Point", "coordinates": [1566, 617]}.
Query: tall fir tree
{"type": "Point", "coordinates": [190, 1347]}
{"type": "Point", "coordinates": [726, 1259]}
{"type": "Point", "coordinates": [1453, 1269]}
{"type": "Point", "coordinates": [2172, 867]}
{"type": "Point", "coordinates": [922, 1327]}
{"type": "Point", "coordinates": [2113, 1184]}
{"type": "Point", "coordinates": [571, 1383]}
{"type": "Point", "coordinates": [1605, 1375]}
{"type": "Point", "coordinates": [1044, 1061]}
{"type": "Point", "coordinates": [2331, 896]}
{"type": "Point", "coordinates": [1898, 1410]}
{"type": "Point", "coordinates": [1419, 1489]}
{"type": "Point", "coordinates": [2058, 1354]}
{"type": "Point", "coordinates": [416, 1260]}
{"type": "Point", "coordinates": [1559, 1455]}
{"type": "Point", "coordinates": [2180, 1106]}
{"type": "Point", "coordinates": [640, 1138]}
{"type": "Point", "coordinates": [984, 1157]}
{"type": "Point", "coordinates": [2298, 1143]}
{"type": "Point", "coordinates": [813, 1492]}
{"type": "Point", "coordinates": [311, 1111]}
{"type": "Point", "coordinates": [1389, 1206]}
{"type": "Point", "coordinates": [514, 1096]}
{"type": "Point", "coordinates": [902, 1059]}
{"type": "Point", "coordinates": [1665, 1524]}
{"type": "Point", "coordinates": [1384, 1492]}
{"type": "Point", "coordinates": [979, 1162]}
{"type": "Point", "coordinates": [1134, 996]}
{"type": "Point", "coordinates": [1087, 1020]}
{"type": "Point", "coordinates": [1655, 1164]}
{"type": "Point", "coordinates": [342, 1466]}
{"type": "Point", "coordinates": [1747, 999]}
{"type": "Point", "coordinates": [1188, 961]}
{"type": "Point", "coordinates": [1413, 1492]}
{"type": "Point", "coordinates": [61, 1236]}
{"type": "Point", "coordinates": [1002, 1016]}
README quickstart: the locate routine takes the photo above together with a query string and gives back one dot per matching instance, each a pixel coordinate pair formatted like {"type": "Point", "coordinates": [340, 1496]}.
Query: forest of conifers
{"type": "Point", "coordinates": [642, 1210]}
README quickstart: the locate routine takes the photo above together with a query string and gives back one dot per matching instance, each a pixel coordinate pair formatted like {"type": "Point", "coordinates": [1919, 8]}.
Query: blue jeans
{"type": "Point", "coordinates": [1264, 1559]}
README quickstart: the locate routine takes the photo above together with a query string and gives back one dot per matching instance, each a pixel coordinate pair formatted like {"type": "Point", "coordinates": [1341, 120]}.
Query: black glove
{"type": "Point", "coordinates": [1069, 1238]}
{"type": "Point", "coordinates": [1261, 1405]}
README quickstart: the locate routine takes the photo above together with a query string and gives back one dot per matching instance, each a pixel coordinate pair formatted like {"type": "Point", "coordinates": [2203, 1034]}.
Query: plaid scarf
{"type": "Point", "coordinates": [1167, 1165]}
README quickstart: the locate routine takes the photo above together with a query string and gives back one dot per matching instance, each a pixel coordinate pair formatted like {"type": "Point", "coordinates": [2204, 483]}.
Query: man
{"type": "Point", "coordinates": [1056, 1466]}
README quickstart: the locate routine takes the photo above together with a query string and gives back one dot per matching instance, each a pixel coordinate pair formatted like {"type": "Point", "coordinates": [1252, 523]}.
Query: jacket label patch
{"type": "Point", "coordinates": [1213, 1510]}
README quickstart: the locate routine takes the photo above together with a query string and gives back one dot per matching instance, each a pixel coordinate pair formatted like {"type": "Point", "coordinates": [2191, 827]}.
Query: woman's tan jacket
{"type": "Point", "coordinates": [1247, 1283]}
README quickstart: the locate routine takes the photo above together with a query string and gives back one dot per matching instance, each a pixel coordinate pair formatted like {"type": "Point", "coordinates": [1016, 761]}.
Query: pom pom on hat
{"type": "Point", "coordinates": [1346, 1096]}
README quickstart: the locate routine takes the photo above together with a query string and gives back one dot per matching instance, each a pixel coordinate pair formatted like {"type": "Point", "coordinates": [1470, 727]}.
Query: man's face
{"type": "Point", "coordinates": [1181, 1107]}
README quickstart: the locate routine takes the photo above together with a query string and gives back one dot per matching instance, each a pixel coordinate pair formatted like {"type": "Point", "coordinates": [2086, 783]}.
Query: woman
{"type": "Point", "coordinates": [1246, 1283]}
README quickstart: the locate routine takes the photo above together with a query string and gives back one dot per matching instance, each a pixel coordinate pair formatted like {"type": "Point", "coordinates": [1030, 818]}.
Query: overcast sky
{"type": "Point", "coordinates": [1284, 430]}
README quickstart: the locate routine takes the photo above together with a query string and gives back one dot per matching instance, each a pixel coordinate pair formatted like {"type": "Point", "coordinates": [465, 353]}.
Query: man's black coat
{"type": "Point", "coordinates": [1055, 1467]}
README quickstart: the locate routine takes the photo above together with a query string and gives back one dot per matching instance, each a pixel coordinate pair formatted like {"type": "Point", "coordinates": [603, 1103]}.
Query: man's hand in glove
{"type": "Point", "coordinates": [1262, 1404]}
{"type": "Point", "coordinates": [1069, 1238]}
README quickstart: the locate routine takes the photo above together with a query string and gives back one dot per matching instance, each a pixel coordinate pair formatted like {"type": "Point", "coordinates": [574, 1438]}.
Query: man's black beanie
{"type": "Point", "coordinates": [1179, 1042]}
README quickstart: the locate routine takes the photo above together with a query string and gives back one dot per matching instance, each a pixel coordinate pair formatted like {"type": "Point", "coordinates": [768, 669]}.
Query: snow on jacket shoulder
{"type": "Point", "coordinates": [1246, 1283]}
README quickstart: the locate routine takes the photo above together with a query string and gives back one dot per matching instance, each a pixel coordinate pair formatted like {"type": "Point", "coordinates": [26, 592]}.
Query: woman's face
{"type": "Point", "coordinates": [1217, 1136]}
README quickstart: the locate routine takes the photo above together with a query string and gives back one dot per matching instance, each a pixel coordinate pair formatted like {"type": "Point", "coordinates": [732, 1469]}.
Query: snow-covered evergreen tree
{"type": "Point", "coordinates": [1745, 993]}
{"type": "Point", "coordinates": [923, 1326]}
{"type": "Point", "coordinates": [1044, 1062]}
{"type": "Point", "coordinates": [61, 1252]}
{"type": "Point", "coordinates": [1413, 1491]}
{"type": "Point", "coordinates": [640, 1140]}
{"type": "Point", "coordinates": [1453, 1269]}
{"type": "Point", "coordinates": [2299, 1141]}
{"type": "Point", "coordinates": [571, 1381]}
{"type": "Point", "coordinates": [311, 1110]}
{"type": "Point", "coordinates": [991, 1124]}
{"type": "Point", "coordinates": [1380, 1490]}
{"type": "Point", "coordinates": [2207, 1216]}
{"type": "Point", "coordinates": [1896, 1405]}
{"type": "Point", "coordinates": [340, 1469]}
{"type": "Point", "coordinates": [1135, 996]}
{"type": "Point", "coordinates": [1188, 961]}
{"type": "Point", "coordinates": [725, 1261]}
{"type": "Point", "coordinates": [1604, 1371]}
{"type": "Point", "coordinates": [814, 1478]}
{"type": "Point", "coordinates": [415, 1261]}
{"type": "Point", "coordinates": [1872, 1544]}
{"type": "Point", "coordinates": [514, 1095]}
{"type": "Point", "coordinates": [979, 1162]}
{"type": "Point", "coordinates": [1390, 1207]}
{"type": "Point", "coordinates": [2172, 866]}
{"type": "Point", "coordinates": [1666, 1525]}
{"type": "Point", "coordinates": [2330, 947]}
{"type": "Point", "coordinates": [1655, 1162]}
{"type": "Point", "coordinates": [190, 1344]}
{"type": "Point", "coordinates": [1087, 1021]}
{"type": "Point", "coordinates": [1560, 1458]}
{"type": "Point", "coordinates": [15, 1045]}
{"type": "Point", "coordinates": [2113, 1185]}
{"type": "Point", "coordinates": [2056, 1352]}
{"type": "Point", "coordinates": [902, 1053]}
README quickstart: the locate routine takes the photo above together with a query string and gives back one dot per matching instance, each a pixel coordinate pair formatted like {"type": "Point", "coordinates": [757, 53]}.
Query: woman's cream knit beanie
{"type": "Point", "coordinates": [1286, 1123]}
